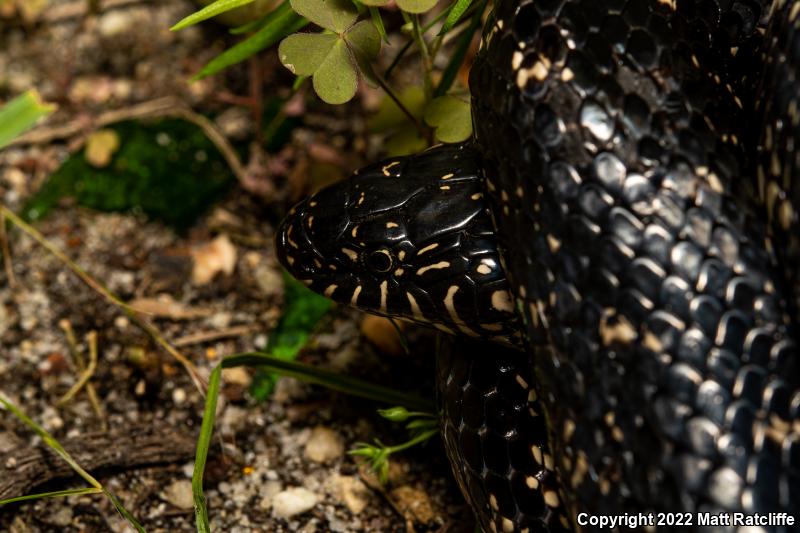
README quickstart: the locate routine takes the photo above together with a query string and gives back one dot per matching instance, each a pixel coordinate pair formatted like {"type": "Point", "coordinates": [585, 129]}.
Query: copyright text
{"type": "Point", "coordinates": [637, 520]}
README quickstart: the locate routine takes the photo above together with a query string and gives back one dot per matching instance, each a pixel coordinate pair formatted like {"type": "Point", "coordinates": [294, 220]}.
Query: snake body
{"type": "Point", "coordinates": [599, 220]}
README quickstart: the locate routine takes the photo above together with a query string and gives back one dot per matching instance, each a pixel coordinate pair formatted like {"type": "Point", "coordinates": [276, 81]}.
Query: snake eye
{"type": "Point", "coordinates": [379, 261]}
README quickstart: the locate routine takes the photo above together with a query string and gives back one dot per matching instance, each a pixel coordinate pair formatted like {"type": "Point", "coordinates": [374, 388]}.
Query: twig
{"type": "Point", "coordinates": [79, 362]}
{"type": "Point", "coordinates": [115, 300]}
{"type": "Point", "coordinates": [168, 106]}
{"type": "Point", "coordinates": [86, 371]}
{"type": "Point", "coordinates": [27, 467]}
{"type": "Point", "coordinates": [207, 336]}
{"type": "Point", "coordinates": [12, 281]}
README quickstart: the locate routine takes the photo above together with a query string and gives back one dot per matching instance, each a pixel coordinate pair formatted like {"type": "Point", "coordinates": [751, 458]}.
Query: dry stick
{"type": "Point", "coordinates": [79, 362]}
{"type": "Point", "coordinates": [207, 336]}
{"type": "Point", "coordinates": [126, 448]}
{"type": "Point", "coordinates": [151, 330]}
{"type": "Point", "coordinates": [86, 371]}
{"type": "Point", "coordinates": [6, 254]}
{"type": "Point", "coordinates": [168, 106]}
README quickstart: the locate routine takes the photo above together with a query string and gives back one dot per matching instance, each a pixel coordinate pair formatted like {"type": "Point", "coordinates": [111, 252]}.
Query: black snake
{"type": "Point", "coordinates": [627, 215]}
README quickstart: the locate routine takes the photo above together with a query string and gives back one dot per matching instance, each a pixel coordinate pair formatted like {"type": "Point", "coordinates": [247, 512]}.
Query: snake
{"type": "Point", "coordinates": [615, 250]}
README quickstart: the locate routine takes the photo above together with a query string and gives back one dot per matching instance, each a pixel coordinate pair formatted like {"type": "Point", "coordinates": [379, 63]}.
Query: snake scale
{"type": "Point", "coordinates": [626, 217]}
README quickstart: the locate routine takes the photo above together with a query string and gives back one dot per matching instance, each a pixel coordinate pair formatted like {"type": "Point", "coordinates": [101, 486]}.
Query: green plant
{"type": "Point", "coordinates": [421, 426]}
{"type": "Point", "coordinates": [21, 113]}
{"type": "Point", "coordinates": [347, 46]}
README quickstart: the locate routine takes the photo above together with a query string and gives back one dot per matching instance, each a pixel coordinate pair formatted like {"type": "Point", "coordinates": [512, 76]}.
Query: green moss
{"type": "Point", "coordinates": [167, 169]}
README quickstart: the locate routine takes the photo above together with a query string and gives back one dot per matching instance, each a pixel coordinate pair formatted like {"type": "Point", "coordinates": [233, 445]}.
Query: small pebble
{"type": "Point", "coordinates": [237, 375]}
{"type": "Point", "coordinates": [351, 491]}
{"type": "Point", "coordinates": [293, 501]}
{"type": "Point", "coordinates": [114, 22]}
{"type": "Point", "coordinates": [324, 445]}
{"type": "Point", "coordinates": [179, 494]}
{"type": "Point", "coordinates": [268, 491]}
{"type": "Point", "coordinates": [179, 396]}
{"type": "Point", "coordinates": [62, 517]}
{"type": "Point", "coordinates": [414, 503]}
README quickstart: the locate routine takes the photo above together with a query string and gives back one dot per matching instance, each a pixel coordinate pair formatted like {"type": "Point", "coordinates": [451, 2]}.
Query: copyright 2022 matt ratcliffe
{"type": "Point", "coordinates": [648, 520]}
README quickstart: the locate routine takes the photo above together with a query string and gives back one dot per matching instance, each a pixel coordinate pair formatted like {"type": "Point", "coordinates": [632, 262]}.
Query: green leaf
{"type": "Point", "coordinates": [326, 58]}
{"type": "Point", "coordinates": [284, 22]}
{"type": "Point", "coordinates": [336, 80]}
{"type": "Point", "coordinates": [201, 453]}
{"type": "Point", "coordinates": [404, 136]}
{"type": "Point", "coordinates": [211, 10]}
{"type": "Point", "coordinates": [20, 114]}
{"type": "Point", "coordinates": [365, 39]}
{"type": "Point", "coordinates": [454, 15]}
{"type": "Point", "coordinates": [53, 494]}
{"type": "Point", "coordinates": [303, 53]}
{"type": "Point", "coordinates": [406, 140]}
{"type": "Point", "coordinates": [458, 55]}
{"type": "Point", "coordinates": [375, 3]}
{"type": "Point", "coordinates": [416, 6]}
{"type": "Point", "coordinates": [334, 15]}
{"type": "Point", "coordinates": [302, 312]}
{"type": "Point", "coordinates": [395, 414]}
{"type": "Point", "coordinates": [451, 118]}
{"type": "Point", "coordinates": [249, 27]}
{"type": "Point", "coordinates": [390, 116]}
{"type": "Point", "coordinates": [375, 14]}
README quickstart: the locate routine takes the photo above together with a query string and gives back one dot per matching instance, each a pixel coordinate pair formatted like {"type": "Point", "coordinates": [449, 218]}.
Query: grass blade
{"type": "Point", "coordinates": [203, 443]}
{"type": "Point", "coordinates": [50, 441]}
{"type": "Point", "coordinates": [20, 114]}
{"type": "Point", "coordinates": [455, 14]}
{"type": "Point", "coordinates": [283, 22]}
{"type": "Point", "coordinates": [211, 10]}
{"type": "Point", "coordinates": [307, 373]}
{"type": "Point", "coordinates": [378, 21]}
{"type": "Point", "coordinates": [55, 494]}
{"type": "Point", "coordinates": [251, 26]}
{"type": "Point", "coordinates": [331, 380]}
{"type": "Point", "coordinates": [457, 59]}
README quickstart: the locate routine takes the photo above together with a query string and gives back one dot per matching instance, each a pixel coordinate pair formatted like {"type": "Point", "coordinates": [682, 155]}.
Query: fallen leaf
{"type": "Point", "coordinates": [101, 147]}
{"type": "Point", "coordinates": [211, 258]}
{"type": "Point", "coordinates": [166, 307]}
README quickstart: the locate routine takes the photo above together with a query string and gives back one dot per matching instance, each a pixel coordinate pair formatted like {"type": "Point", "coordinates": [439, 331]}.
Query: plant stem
{"type": "Point", "coordinates": [424, 132]}
{"type": "Point", "coordinates": [422, 437]}
{"type": "Point", "coordinates": [427, 64]}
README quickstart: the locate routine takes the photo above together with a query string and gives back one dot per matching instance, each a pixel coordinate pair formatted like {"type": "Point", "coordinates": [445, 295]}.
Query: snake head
{"type": "Point", "coordinates": [409, 237]}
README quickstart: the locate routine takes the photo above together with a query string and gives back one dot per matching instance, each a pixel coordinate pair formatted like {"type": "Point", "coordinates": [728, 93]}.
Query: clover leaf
{"type": "Point", "coordinates": [451, 117]}
{"type": "Point", "coordinates": [334, 57]}
{"type": "Point", "coordinates": [334, 15]}
{"type": "Point", "coordinates": [416, 6]}
{"type": "Point", "coordinates": [403, 136]}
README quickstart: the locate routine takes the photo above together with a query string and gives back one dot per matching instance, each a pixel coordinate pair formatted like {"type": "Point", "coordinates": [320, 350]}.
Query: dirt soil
{"type": "Point", "coordinates": [215, 290]}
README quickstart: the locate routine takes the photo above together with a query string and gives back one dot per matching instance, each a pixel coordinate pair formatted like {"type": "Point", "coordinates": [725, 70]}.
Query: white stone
{"type": "Point", "coordinates": [324, 445]}
{"type": "Point", "coordinates": [114, 23]}
{"type": "Point", "coordinates": [351, 491]}
{"type": "Point", "coordinates": [293, 501]}
{"type": "Point", "coordinates": [179, 494]}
